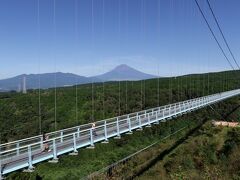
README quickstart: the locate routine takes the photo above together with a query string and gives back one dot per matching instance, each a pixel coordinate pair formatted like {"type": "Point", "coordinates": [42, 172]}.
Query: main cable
{"type": "Point", "coordinates": [223, 36]}
{"type": "Point", "coordinates": [214, 36]}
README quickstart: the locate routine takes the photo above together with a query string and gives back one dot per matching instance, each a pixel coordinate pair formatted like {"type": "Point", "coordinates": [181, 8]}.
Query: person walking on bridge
{"type": "Point", "coordinates": [45, 143]}
{"type": "Point", "coordinates": [94, 129]}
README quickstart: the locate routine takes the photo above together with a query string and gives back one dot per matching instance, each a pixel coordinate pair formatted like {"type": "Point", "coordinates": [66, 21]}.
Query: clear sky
{"type": "Point", "coordinates": [89, 37]}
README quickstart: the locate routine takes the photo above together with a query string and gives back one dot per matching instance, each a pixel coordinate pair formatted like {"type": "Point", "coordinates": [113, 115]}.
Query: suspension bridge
{"type": "Point", "coordinates": [25, 153]}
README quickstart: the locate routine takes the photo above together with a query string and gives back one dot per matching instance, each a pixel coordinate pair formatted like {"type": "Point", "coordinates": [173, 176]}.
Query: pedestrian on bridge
{"type": "Point", "coordinates": [45, 143]}
{"type": "Point", "coordinates": [94, 129]}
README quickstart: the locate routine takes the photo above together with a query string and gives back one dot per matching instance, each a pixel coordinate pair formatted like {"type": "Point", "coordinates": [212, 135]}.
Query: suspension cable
{"type": "Point", "coordinates": [213, 34]}
{"type": "Point", "coordinates": [55, 69]}
{"type": "Point", "coordinates": [76, 40]}
{"type": "Point", "coordinates": [223, 36]}
{"type": "Point", "coordinates": [92, 27]}
{"type": "Point", "coordinates": [39, 75]}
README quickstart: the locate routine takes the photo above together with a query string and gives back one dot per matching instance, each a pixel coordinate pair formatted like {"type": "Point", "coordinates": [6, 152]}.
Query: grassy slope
{"type": "Point", "coordinates": [212, 153]}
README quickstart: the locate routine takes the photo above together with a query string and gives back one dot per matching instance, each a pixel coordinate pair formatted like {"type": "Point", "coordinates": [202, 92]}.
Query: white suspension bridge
{"type": "Point", "coordinates": [25, 153]}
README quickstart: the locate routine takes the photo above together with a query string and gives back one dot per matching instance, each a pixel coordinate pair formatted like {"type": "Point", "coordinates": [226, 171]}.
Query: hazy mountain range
{"type": "Point", "coordinates": [47, 80]}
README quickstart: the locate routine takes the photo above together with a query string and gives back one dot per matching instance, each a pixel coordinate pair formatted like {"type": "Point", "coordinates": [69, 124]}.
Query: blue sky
{"type": "Point", "coordinates": [168, 36]}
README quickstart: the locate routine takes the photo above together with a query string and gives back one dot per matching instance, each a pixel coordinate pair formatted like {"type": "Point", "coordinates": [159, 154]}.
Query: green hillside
{"type": "Point", "coordinates": [212, 153]}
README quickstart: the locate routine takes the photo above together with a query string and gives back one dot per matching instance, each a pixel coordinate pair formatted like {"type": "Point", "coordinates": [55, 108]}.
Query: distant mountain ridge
{"type": "Point", "coordinates": [47, 80]}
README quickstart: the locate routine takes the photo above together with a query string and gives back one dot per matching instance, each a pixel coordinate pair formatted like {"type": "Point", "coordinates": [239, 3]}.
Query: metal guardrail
{"type": "Point", "coordinates": [24, 153]}
{"type": "Point", "coordinates": [39, 138]}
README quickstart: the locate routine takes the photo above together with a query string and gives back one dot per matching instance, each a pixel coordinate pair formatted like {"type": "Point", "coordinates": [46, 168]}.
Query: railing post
{"type": "Point", "coordinates": [175, 109]}
{"type": "Point", "coordinates": [41, 142]}
{"type": "Point", "coordinates": [54, 149]}
{"type": "Point", "coordinates": [55, 159]}
{"type": "Point", "coordinates": [118, 130]}
{"type": "Point", "coordinates": [129, 125]}
{"type": "Point", "coordinates": [74, 143]}
{"type": "Point", "coordinates": [30, 166]}
{"type": "Point", "coordinates": [61, 136]}
{"type": "Point", "coordinates": [149, 123]}
{"type": "Point", "coordinates": [105, 131]}
{"type": "Point", "coordinates": [17, 148]}
{"type": "Point", "coordinates": [78, 132]}
{"type": "Point", "coordinates": [75, 152]}
{"type": "Point", "coordinates": [156, 114]}
{"type": "Point", "coordinates": [184, 106]}
{"type": "Point", "coordinates": [190, 104]}
{"type": "Point", "coordinates": [91, 137]}
{"type": "Point", "coordinates": [139, 123]}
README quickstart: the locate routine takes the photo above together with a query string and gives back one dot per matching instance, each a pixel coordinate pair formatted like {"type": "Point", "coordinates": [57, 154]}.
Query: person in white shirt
{"type": "Point", "coordinates": [94, 129]}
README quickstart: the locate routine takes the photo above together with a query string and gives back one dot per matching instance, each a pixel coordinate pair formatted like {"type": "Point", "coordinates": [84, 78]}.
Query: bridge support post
{"type": "Point", "coordinates": [41, 142]}
{"type": "Point", "coordinates": [17, 148]}
{"type": "Point", "coordinates": [149, 123]}
{"type": "Point", "coordinates": [118, 130]}
{"type": "Point", "coordinates": [184, 108]}
{"type": "Point", "coordinates": [91, 140]}
{"type": "Point", "coordinates": [175, 110]}
{"type": "Point", "coordinates": [139, 124]}
{"type": "Point", "coordinates": [78, 132]}
{"type": "Point", "coordinates": [30, 158]}
{"type": "Point", "coordinates": [105, 133]}
{"type": "Point", "coordinates": [55, 159]}
{"type": "Point", "coordinates": [30, 165]}
{"type": "Point", "coordinates": [156, 116]}
{"type": "Point", "coordinates": [61, 136]}
{"type": "Point", "coordinates": [75, 152]}
{"type": "Point", "coordinates": [169, 113]}
{"type": "Point", "coordinates": [129, 126]}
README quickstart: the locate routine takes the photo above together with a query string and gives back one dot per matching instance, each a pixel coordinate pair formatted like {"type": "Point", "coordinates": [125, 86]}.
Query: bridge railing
{"type": "Point", "coordinates": [16, 151]}
{"type": "Point", "coordinates": [39, 138]}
